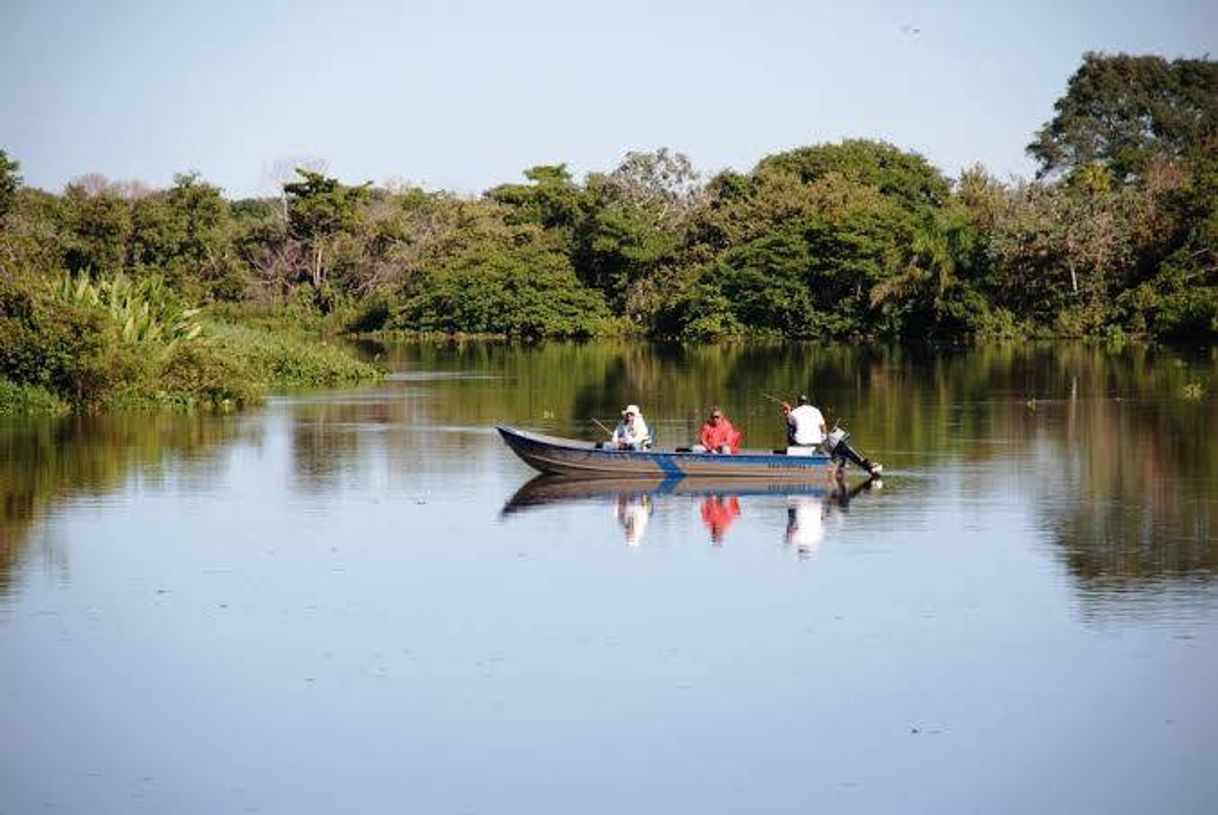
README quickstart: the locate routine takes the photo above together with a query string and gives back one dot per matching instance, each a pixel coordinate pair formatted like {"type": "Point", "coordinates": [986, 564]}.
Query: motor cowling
{"type": "Point", "coordinates": [837, 444]}
{"type": "Point", "coordinates": [835, 438]}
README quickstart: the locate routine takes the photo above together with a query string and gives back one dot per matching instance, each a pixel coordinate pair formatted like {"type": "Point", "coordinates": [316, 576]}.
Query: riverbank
{"type": "Point", "coordinates": [112, 343]}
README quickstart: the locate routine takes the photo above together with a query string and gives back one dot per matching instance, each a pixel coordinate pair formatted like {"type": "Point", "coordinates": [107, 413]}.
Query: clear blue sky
{"type": "Point", "coordinates": [465, 94]}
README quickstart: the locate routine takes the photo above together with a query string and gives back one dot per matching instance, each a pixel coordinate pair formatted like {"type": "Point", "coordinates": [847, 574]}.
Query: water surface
{"type": "Point", "coordinates": [357, 601]}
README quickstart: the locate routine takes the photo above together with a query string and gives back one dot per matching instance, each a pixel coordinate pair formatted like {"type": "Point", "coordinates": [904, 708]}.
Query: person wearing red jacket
{"type": "Point", "coordinates": [717, 435]}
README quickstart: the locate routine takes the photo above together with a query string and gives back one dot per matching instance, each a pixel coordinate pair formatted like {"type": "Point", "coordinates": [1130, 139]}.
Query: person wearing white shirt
{"type": "Point", "coordinates": [805, 424]}
{"type": "Point", "coordinates": [631, 432]}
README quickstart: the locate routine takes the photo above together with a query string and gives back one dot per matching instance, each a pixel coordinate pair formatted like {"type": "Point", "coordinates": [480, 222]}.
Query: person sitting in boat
{"type": "Point", "coordinates": [805, 424]}
{"type": "Point", "coordinates": [631, 432]}
{"type": "Point", "coordinates": [717, 435]}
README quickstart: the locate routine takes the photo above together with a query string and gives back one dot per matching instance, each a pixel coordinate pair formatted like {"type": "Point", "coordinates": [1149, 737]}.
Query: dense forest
{"type": "Point", "coordinates": [109, 284]}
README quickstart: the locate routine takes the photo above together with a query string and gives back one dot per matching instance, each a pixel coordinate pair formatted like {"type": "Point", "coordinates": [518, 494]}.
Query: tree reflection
{"type": "Point", "coordinates": [46, 462]}
{"type": "Point", "coordinates": [1114, 449]}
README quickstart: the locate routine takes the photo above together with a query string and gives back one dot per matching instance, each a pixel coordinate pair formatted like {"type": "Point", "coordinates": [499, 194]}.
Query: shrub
{"type": "Point", "coordinates": [15, 398]}
{"type": "Point", "coordinates": [208, 373]}
{"type": "Point", "coordinates": [277, 361]}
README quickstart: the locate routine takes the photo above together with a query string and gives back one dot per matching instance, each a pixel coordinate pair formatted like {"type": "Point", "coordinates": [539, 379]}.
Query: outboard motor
{"type": "Point", "coordinates": [837, 443]}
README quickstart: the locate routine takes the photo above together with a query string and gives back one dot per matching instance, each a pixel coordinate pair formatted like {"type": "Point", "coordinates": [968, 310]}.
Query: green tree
{"type": "Point", "coordinates": [320, 209]}
{"type": "Point", "coordinates": [1061, 253]}
{"type": "Point", "coordinates": [935, 294]}
{"type": "Point", "coordinates": [801, 242]}
{"type": "Point", "coordinates": [903, 176]}
{"type": "Point", "coordinates": [1179, 298]}
{"type": "Point", "coordinates": [10, 182]}
{"type": "Point", "coordinates": [552, 201]}
{"type": "Point", "coordinates": [184, 233]}
{"type": "Point", "coordinates": [97, 226]}
{"type": "Point", "coordinates": [522, 289]}
{"type": "Point", "coordinates": [1124, 112]}
{"type": "Point", "coordinates": [635, 224]}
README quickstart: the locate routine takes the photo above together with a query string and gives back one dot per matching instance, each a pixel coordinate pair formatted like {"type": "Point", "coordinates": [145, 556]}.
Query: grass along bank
{"type": "Point", "coordinates": [100, 342]}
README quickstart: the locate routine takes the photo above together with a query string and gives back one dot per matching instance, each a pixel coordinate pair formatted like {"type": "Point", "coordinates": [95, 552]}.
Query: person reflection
{"type": "Point", "coordinates": [805, 524]}
{"type": "Point", "coordinates": [718, 513]}
{"type": "Point", "coordinates": [633, 513]}
{"type": "Point", "coordinates": [807, 514]}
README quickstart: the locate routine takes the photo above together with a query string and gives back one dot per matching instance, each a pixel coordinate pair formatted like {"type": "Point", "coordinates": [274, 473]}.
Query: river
{"type": "Point", "coordinates": [354, 601]}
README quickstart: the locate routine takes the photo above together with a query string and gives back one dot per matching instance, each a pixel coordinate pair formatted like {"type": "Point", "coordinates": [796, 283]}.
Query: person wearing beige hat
{"type": "Point", "coordinates": [631, 432]}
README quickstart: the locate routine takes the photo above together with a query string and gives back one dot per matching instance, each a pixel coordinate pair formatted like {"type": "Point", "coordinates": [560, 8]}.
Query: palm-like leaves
{"type": "Point", "coordinates": [144, 311]}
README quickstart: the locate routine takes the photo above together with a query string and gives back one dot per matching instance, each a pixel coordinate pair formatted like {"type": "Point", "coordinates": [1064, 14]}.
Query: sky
{"type": "Point", "coordinates": [463, 95]}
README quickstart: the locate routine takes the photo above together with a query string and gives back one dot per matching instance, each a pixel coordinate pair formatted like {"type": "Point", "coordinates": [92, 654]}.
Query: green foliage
{"type": "Point", "coordinates": [319, 206]}
{"type": "Point", "coordinates": [526, 290]}
{"type": "Point", "coordinates": [553, 201]}
{"type": "Point", "coordinates": [804, 240]}
{"type": "Point", "coordinates": [144, 311]}
{"type": "Point", "coordinates": [1126, 112]}
{"type": "Point", "coordinates": [210, 374]}
{"type": "Point", "coordinates": [1060, 253]}
{"type": "Point", "coordinates": [10, 182]}
{"type": "Point", "coordinates": [320, 210]}
{"type": "Point", "coordinates": [280, 361]}
{"type": "Point", "coordinates": [25, 398]}
{"type": "Point", "coordinates": [906, 177]}
{"type": "Point", "coordinates": [118, 342]}
{"type": "Point", "coordinates": [935, 295]}
{"type": "Point", "coordinates": [1178, 303]}
{"type": "Point", "coordinates": [55, 346]}
{"type": "Point", "coordinates": [96, 227]}
{"type": "Point", "coordinates": [184, 234]}
{"type": "Point", "coordinates": [855, 240]}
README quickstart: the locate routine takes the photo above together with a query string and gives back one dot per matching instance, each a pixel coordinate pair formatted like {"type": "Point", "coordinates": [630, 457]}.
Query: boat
{"type": "Point", "coordinates": [585, 459]}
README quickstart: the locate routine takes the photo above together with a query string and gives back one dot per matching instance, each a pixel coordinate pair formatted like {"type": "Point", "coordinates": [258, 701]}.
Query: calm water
{"type": "Point", "coordinates": [352, 602]}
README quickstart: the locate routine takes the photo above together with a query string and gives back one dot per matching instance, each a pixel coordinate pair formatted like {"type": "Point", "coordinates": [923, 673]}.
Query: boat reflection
{"type": "Point", "coordinates": [634, 500]}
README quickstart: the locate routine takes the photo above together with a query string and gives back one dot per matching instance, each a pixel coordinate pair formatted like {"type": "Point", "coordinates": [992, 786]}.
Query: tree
{"type": "Point", "coordinates": [1124, 112]}
{"type": "Point", "coordinates": [802, 241]}
{"type": "Point", "coordinates": [319, 209]}
{"type": "Point", "coordinates": [1061, 253]}
{"type": "Point", "coordinates": [97, 222]}
{"type": "Point", "coordinates": [552, 201]}
{"type": "Point", "coordinates": [906, 177]}
{"type": "Point", "coordinates": [10, 182]}
{"type": "Point", "coordinates": [635, 221]}
{"type": "Point", "coordinates": [185, 234]}
{"type": "Point", "coordinates": [932, 296]}
{"type": "Point", "coordinates": [523, 289]}
{"type": "Point", "coordinates": [661, 180]}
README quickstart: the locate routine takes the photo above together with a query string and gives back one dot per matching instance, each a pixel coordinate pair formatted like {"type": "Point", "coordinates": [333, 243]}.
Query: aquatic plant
{"type": "Point", "coordinates": [144, 311]}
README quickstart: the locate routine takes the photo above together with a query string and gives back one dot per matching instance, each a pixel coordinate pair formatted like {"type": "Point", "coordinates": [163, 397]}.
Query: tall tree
{"type": "Point", "coordinates": [97, 224]}
{"type": "Point", "coordinates": [904, 176]}
{"type": "Point", "coordinates": [319, 209]}
{"type": "Point", "coordinates": [183, 232]}
{"type": "Point", "coordinates": [1125, 112]}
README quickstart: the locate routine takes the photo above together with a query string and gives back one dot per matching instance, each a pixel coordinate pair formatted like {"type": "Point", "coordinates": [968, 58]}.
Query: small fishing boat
{"type": "Point", "coordinates": [585, 459]}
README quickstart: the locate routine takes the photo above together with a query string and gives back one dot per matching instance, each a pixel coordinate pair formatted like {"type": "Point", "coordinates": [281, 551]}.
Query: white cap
{"type": "Point", "coordinates": [633, 409]}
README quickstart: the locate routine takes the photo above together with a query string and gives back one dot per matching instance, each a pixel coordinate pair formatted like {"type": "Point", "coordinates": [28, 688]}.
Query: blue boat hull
{"type": "Point", "coordinates": [567, 457]}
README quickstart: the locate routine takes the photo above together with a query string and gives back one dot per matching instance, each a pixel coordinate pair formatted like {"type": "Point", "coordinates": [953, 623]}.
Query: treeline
{"type": "Point", "coordinates": [1116, 238]}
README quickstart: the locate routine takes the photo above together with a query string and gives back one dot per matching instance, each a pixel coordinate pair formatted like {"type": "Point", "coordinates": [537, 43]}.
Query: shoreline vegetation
{"type": "Point", "coordinates": [113, 294]}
